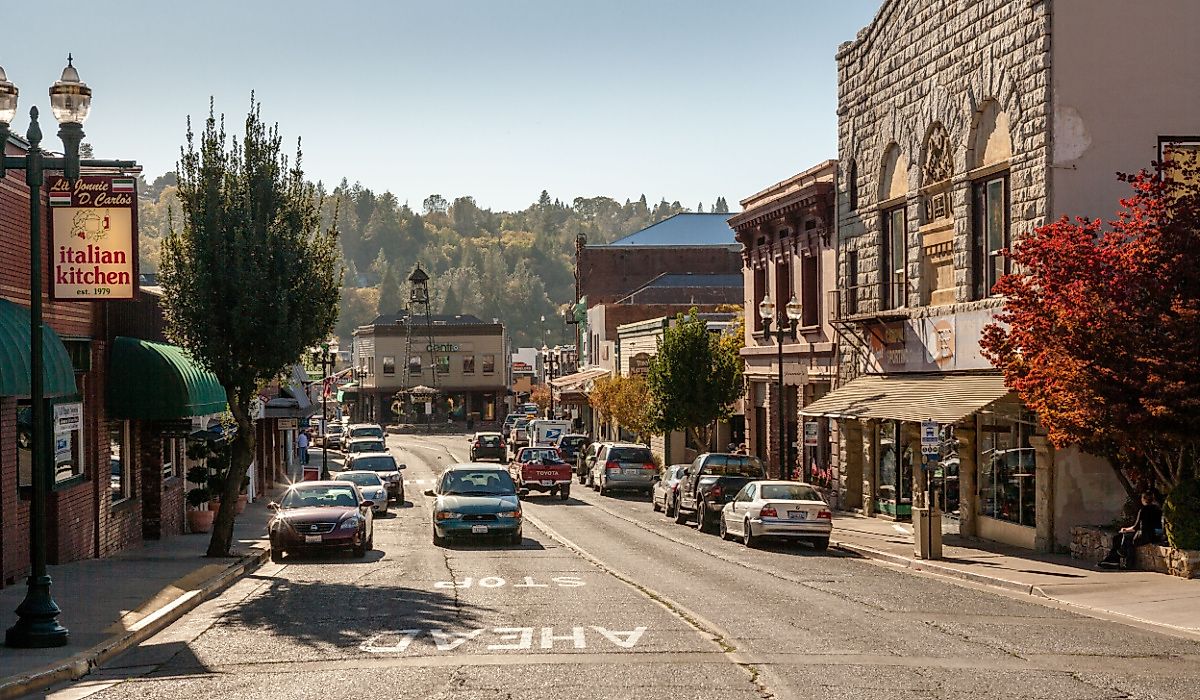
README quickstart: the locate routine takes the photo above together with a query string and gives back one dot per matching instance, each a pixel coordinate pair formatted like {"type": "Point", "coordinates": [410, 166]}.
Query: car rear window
{"type": "Point", "coordinates": [490, 441]}
{"type": "Point", "coordinates": [788, 492]}
{"type": "Point", "coordinates": [361, 479]}
{"type": "Point", "coordinates": [375, 464]}
{"type": "Point", "coordinates": [538, 455]}
{"type": "Point", "coordinates": [629, 454]}
{"type": "Point", "coordinates": [370, 431]}
{"type": "Point", "coordinates": [575, 441]}
{"type": "Point", "coordinates": [367, 446]}
{"type": "Point", "coordinates": [734, 465]}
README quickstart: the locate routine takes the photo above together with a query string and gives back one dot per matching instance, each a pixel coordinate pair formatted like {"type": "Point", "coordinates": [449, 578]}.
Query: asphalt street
{"type": "Point", "coordinates": [607, 599]}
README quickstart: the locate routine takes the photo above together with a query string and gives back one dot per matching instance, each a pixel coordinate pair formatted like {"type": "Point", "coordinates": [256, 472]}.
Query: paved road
{"type": "Point", "coordinates": [606, 599]}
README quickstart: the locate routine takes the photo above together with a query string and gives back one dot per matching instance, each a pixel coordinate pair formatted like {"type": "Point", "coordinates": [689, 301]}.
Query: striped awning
{"type": "Point", "coordinates": [945, 398]}
{"type": "Point", "coordinates": [574, 382]}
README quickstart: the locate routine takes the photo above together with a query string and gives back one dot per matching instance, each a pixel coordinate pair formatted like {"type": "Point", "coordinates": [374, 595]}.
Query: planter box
{"type": "Point", "coordinates": [1093, 544]}
{"type": "Point", "coordinates": [200, 520]}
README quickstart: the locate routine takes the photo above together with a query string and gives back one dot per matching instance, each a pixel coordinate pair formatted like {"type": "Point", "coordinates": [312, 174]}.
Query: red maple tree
{"type": "Point", "coordinates": [1100, 330]}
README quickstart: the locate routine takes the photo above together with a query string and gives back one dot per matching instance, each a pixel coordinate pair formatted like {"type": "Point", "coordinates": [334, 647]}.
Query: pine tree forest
{"type": "Point", "coordinates": [516, 266]}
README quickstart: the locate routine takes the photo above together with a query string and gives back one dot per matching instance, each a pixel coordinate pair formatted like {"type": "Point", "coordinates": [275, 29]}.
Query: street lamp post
{"type": "Point", "coordinates": [325, 358]}
{"type": "Point", "coordinates": [70, 99]}
{"type": "Point", "coordinates": [550, 363]}
{"type": "Point", "coordinates": [788, 319]}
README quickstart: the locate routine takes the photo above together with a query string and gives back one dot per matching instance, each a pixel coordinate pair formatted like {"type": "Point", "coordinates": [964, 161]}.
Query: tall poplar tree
{"type": "Point", "coordinates": [250, 280]}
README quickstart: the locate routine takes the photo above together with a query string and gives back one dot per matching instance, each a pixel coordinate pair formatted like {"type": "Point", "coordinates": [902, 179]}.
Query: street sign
{"type": "Point", "coordinates": [931, 441]}
{"type": "Point", "coordinates": [288, 423]}
{"type": "Point", "coordinates": [810, 434]}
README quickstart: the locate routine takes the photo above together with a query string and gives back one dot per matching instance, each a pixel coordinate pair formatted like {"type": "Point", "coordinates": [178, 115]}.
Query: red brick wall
{"type": "Point", "coordinates": [14, 513]}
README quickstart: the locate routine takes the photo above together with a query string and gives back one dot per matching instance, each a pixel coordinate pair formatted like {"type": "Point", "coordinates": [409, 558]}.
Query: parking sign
{"type": "Point", "coordinates": [930, 438]}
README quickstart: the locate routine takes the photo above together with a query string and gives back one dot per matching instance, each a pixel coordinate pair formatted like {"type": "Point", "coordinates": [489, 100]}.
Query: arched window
{"type": "Point", "coordinates": [893, 181]}
{"type": "Point", "coordinates": [991, 151]}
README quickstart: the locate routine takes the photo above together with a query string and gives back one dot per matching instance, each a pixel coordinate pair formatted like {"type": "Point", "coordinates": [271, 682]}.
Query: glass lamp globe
{"type": "Point", "coordinates": [794, 309]}
{"type": "Point", "coordinates": [70, 98]}
{"type": "Point", "coordinates": [8, 99]}
{"type": "Point", "coordinates": [766, 308]}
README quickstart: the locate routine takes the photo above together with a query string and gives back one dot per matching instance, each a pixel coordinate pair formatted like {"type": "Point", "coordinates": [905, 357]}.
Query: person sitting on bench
{"type": "Point", "coordinates": [1144, 530]}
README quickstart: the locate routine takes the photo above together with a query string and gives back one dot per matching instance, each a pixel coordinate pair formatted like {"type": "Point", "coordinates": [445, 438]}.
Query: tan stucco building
{"type": "Point", "coordinates": [469, 356]}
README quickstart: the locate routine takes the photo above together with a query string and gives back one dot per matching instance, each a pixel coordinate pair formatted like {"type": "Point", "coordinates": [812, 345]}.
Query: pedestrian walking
{"type": "Point", "coordinates": [302, 443]}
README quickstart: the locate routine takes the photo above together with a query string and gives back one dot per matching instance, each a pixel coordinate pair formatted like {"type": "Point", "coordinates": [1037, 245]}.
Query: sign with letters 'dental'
{"type": "Point", "coordinates": [93, 234]}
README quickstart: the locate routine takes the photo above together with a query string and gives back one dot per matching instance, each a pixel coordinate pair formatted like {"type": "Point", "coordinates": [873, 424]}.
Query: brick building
{"type": "Point", "coordinates": [786, 232]}
{"type": "Point", "coordinates": [961, 127]}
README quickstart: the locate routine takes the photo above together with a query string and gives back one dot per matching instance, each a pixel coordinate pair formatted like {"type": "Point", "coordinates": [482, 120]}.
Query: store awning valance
{"type": "Point", "coordinates": [347, 390]}
{"type": "Point", "coordinates": [156, 381]}
{"type": "Point", "coordinates": [58, 374]}
{"type": "Point", "coordinates": [293, 401]}
{"type": "Point", "coordinates": [572, 382]}
{"type": "Point", "coordinates": [945, 398]}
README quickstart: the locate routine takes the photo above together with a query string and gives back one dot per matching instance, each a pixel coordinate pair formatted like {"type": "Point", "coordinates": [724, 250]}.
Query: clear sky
{"type": "Point", "coordinates": [683, 99]}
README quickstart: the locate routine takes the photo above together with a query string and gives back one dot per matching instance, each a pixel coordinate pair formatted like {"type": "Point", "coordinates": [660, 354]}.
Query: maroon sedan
{"type": "Point", "coordinates": [320, 515]}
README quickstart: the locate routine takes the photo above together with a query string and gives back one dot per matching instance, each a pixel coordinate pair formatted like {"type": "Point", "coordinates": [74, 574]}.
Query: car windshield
{"type": "Point", "coordinates": [333, 428]}
{"type": "Point", "coordinates": [361, 479]}
{"type": "Point", "coordinates": [482, 482]}
{"type": "Point", "coordinates": [375, 464]}
{"type": "Point", "coordinates": [734, 465]}
{"type": "Point", "coordinates": [320, 496]}
{"type": "Point", "coordinates": [641, 455]}
{"type": "Point", "coordinates": [367, 446]}
{"type": "Point", "coordinates": [540, 455]}
{"type": "Point", "coordinates": [572, 441]}
{"type": "Point", "coordinates": [788, 492]}
{"type": "Point", "coordinates": [366, 431]}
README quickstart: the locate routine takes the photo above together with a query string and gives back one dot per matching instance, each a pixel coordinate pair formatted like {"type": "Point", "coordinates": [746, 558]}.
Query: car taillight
{"type": "Point", "coordinates": [715, 492]}
{"type": "Point", "coordinates": [825, 515]}
{"type": "Point", "coordinates": [561, 454]}
{"type": "Point", "coordinates": [478, 443]}
{"type": "Point", "coordinates": [648, 465]}
{"type": "Point", "coordinates": [611, 466]}
{"type": "Point", "coordinates": [768, 512]}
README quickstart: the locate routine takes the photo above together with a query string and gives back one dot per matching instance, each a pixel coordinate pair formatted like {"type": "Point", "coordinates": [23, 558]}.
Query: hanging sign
{"type": "Point", "coordinates": [93, 238]}
{"type": "Point", "coordinates": [811, 434]}
{"type": "Point", "coordinates": [931, 442]}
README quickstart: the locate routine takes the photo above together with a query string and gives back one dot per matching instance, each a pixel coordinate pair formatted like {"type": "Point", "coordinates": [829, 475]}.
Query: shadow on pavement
{"type": "Point", "coordinates": [303, 558]}
{"type": "Point", "coordinates": [480, 545]}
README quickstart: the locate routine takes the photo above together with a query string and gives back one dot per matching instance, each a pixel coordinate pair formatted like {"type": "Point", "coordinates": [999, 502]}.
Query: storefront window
{"type": "Point", "coordinates": [489, 364]}
{"type": "Point", "coordinates": [24, 444]}
{"type": "Point", "coordinates": [468, 364]}
{"type": "Point", "coordinates": [443, 364]}
{"type": "Point", "coordinates": [68, 440]}
{"type": "Point", "coordinates": [1007, 489]}
{"type": "Point", "coordinates": [389, 365]}
{"type": "Point", "coordinates": [894, 490]}
{"type": "Point", "coordinates": [119, 460]}
{"type": "Point", "coordinates": [414, 366]}
{"type": "Point", "coordinates": [942, 472]}
{"type": "Point", "coordinates": [172, 457]}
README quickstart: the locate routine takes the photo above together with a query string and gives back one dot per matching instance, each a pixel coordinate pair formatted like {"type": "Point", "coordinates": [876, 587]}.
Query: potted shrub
{"type": "Point", "coordinates": [199, 517]}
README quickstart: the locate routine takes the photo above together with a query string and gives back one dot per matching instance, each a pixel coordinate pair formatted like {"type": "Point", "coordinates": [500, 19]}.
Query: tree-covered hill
{"type": "Point", "coordinates": [516, 266]}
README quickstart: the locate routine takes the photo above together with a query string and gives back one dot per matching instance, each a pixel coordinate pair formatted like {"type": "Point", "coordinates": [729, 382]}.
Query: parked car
{"type": "Point", "coordinates": [788, 509]}
{"type": "Point", "coordinates": [622, 466]}
{"type": "Point", "coordinates": [332, 438]}
{"type": "Point", "coordinates": [542, 469]}
{"type": "Point", "coordinates": [570, 445]}
{"type": "Point", "coordinates": [585, 459]}
{"type": "Point", "coordinates": [358, 430]}
{"type": "Point", "coordinates": [321, 515]}
{"type": "Point", "coordinates": [666, 488]}
{"type": "Point", "coordinates": [518, 437]}
{"type": "Point", "coordinates": [712, 479]}
{"type": "Point", "coordinates": [475, 500]}
{"type": "Point", "coordinates": [383, 464]}
{"type": "Point", "coordinates": [365, 444]}
{"type": "Point", "coordinates": [370, 484]}
{"type": "Point", "coordinates": [488, 446]}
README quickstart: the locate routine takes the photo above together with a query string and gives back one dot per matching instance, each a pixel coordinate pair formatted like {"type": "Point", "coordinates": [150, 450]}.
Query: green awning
{"type": "Point", "coordinates": [345, 389]}
{"type": "Point", "coordinates": [58, 375]}
{"type": "Point", "coordinates": [156, 381]}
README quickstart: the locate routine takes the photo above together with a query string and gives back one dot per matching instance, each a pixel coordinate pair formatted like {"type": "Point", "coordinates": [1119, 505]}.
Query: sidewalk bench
{"type": "Point", "coordinates": [1091, 543]}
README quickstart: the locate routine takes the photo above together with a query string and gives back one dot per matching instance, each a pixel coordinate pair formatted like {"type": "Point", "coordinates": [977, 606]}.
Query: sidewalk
{"type": "Point", "coordinates": [1156, 599]}
{"type": "Point", "coordinates": [112, 604]}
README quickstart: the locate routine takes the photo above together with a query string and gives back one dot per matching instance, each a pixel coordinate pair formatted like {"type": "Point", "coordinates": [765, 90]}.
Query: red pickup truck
{"type": "Point", "coordinates": [542, 469]}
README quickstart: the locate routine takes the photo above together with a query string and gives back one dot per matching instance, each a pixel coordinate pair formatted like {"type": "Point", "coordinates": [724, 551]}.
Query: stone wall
{"type": "Point", "coordinates": [1093, 544]}
{"type": "Point", "coordinates": [924, 63]}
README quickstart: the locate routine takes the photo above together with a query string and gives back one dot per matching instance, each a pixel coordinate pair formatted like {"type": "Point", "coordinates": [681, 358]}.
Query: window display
{"type": "Point", "coordinates": [1007, 488]}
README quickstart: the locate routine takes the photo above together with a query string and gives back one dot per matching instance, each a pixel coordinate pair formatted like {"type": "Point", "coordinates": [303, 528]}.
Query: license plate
{"type": "Point", "coordinates": [312, 539]}
{"type": "Point", "coordinates": [632, 471]}
{"type": "Point", "coordinates": [797, 514]}
{"type": "Point", "coordinates": [547, 482]}
{"type": "Point", "coordinates": [479, 529]}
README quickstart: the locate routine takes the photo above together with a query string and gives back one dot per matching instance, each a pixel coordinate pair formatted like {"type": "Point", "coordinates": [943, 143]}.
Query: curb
{"type": "Point", "coordinates": [929, 567]}
{"type": "Point", "coordinates": [84, 662]}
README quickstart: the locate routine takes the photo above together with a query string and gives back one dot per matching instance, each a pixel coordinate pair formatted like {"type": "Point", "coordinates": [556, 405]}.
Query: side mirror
{"type": "Point", "coordinates": [428, 492]}
{"type": "Point", "coordinates": [402, 466]}
{"type": "Point", "coordinates": [366, 504]}
{"type": "Point", "coordinates": [657, 477]}
{"type": "Point", "coordinates": [272, 506]}
{"type": "Point", "coordinates": [522, 493]}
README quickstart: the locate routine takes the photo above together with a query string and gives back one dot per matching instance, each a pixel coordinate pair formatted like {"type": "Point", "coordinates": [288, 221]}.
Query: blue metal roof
{"type": "Point", "coordinates": [682, 229]}
{"type": "Point", "coordinates": [688, 279]}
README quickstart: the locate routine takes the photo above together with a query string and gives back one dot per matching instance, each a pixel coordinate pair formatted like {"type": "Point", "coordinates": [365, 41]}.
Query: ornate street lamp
{"type": "Point", "coordinates": [550, 365]}
{"type": "Point", "coordinates": [70, 100]}
{"type": "Point", "coordinates": [324, 357]}
{"type": "Point", "coordinates": [786, 330]}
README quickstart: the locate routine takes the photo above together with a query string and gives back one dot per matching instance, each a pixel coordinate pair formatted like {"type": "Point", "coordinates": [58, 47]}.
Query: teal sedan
{"type": "Point", "coordinates": [476, 500]}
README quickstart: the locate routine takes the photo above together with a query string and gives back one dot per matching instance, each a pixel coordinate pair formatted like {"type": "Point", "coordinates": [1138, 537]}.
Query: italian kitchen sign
{"type": "Point", "coordinates": [93, 233]}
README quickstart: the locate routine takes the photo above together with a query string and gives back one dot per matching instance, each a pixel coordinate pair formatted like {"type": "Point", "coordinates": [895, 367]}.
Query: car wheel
{"type": "Point", "coordinates": [604, 490]}
{"type": "Point", "coordinates": [360, 551]}
{"type": "Point", "coordinates": [276, 555]}
{"type": "Point", "coordinates": [438, 540]}
{"type": "Point", "coordinates": [671, 506]}
{"type": "Point", "coordinates": [748, 537]}
{"type": "Point", "coordinates": [703, 519]}
{"type": "Point", "coordinates": [654, 504]}
{"type": "Point", "coordinates": [724, 529]}
{"type": "Point", "coordinates": [564, 494]}
{"type": "Point", "coordinates": [680, 516]}
{"type": "Point", "coordinates": [821, 544]}
{"type": "Point", "coordinates": [516, 538]}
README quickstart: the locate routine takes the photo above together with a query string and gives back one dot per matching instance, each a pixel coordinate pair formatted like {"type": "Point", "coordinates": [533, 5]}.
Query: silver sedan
{"type": "Point", "coordinates": [786, 509]}
{"type": "Point", "coordinates": [371, 486]}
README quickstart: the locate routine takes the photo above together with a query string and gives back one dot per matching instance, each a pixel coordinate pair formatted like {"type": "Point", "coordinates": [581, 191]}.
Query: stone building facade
{"type": "Point", "coordinates": [962, 126]}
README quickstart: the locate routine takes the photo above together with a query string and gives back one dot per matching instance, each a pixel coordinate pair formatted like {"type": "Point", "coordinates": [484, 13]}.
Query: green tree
{"type": "Point", "coordinates": [720, 207]}
{"type": "Point", "coordinates": [693, 380]}
{"type": "Point", "coordinates": [391, 292]}
{"type": "Point", "coordinates": [250, 279]}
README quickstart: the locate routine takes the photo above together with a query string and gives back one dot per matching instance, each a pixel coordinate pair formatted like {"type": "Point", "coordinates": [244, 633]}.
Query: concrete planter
{"type": "Point", "coordinates": [1094, 543]}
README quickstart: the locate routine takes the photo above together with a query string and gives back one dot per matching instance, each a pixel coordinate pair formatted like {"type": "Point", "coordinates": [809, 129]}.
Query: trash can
{"type": "Point", "coordinates": [927, 531]}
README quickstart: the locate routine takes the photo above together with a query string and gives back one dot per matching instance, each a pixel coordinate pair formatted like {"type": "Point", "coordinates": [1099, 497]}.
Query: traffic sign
{"type": "Point", "coordinates": [931, 441]}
